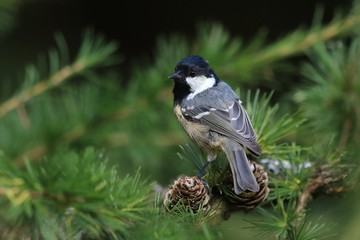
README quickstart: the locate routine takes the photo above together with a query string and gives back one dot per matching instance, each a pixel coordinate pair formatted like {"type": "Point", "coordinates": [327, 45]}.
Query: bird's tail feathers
{"type": "Point", "coordinates": [244, 179]}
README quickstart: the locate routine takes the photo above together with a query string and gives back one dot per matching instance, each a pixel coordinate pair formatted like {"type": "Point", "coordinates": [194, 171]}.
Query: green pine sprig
{"type": "Point", "coordinates": [283, 222]}
{"type": "Point", "coordinates": [274, 133]}
{"type": "Point", "coordinates": [80, 192]}
{"type": "Point", "coordinates": [332, 90]}
{"type": "Point", "coordinates": [94, 52]}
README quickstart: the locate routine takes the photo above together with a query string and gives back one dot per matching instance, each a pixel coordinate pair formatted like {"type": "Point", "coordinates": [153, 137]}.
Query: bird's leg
{"type": "Point", "coordinates": [202, 170]}
{"type": "Point", "coordinates": [210, 158]}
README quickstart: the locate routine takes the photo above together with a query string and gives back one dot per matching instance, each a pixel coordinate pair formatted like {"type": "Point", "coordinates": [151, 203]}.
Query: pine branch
{"type": "Point", "coordinates": [39, 88]}
{"type": "Point", "coordinates": [299, 41]}
{"type": "Point", "coordinates": [307, 192]}
{"type": "Point", "coordinates": [271, 129]}
{"type": "Point", "coordinates": [295, 43]}
{"type": "Point", "coordinates": [244, 62]}
{"type": "Point", "coordinates": [93, 52]}
{"type": "Point", "coordinates": [327, 175]}
{"type": "Point", "coordinates": [79, 192]}
{"type": "Point", "coordinates": [282, 222]}
{"type": "Point", "coordinates": [332, 91]}
{"type": "Point", "coordinates": [81, 130]}
{"type": "Point", "coordinates": [328, 180]}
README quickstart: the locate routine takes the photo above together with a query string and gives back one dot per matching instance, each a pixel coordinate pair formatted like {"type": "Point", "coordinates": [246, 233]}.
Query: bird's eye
{"type": "Point", "coordinates": [192, 74]}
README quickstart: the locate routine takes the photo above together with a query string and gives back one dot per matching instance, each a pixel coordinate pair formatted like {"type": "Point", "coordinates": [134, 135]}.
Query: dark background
{"type": "Point", "coordinates": [137, 24]}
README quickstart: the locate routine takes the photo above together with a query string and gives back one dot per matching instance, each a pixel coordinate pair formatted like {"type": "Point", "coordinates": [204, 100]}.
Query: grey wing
{"type": "Point", "coordinates": [232, 122]}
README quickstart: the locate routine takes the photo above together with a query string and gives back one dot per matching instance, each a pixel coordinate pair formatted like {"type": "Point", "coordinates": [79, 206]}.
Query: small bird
{"type": "Point", "coordinates": [212, 115]}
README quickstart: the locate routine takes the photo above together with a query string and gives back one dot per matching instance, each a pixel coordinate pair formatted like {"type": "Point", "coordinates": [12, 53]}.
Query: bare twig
{"type": "Point", "coordinates": [306, 195]}
{"type": "Point", "coordinates": [328, 180]}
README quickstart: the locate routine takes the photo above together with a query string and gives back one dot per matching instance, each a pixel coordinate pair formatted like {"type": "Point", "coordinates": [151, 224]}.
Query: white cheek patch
{"type": "Point", "coordinates": [199, 84]}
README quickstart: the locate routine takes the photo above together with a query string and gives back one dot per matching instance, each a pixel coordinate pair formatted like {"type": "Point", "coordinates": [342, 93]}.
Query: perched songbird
{"type": "Point", "coordinates": [212, 115]}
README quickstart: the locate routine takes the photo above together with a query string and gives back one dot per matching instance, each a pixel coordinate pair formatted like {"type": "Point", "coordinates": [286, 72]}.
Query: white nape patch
{"type": "Point", "coordinates": [199, 84]}
{"type": "Point", "coordinates": [200, 115]}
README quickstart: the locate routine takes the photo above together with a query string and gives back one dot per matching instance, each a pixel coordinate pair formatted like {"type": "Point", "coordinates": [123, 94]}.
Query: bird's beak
{"type": "Point", "coordinates": [176, 76]}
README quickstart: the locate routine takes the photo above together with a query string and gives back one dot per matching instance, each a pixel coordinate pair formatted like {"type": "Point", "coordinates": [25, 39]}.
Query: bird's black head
{"type": "Point", "coordinates": [192, 66]}
{"type": "Point", "coordinates": [192, 75]}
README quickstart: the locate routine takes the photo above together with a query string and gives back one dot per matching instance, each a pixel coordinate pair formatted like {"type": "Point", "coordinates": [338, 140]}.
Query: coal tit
{"type": "Point", "coordinates": [212, 115]}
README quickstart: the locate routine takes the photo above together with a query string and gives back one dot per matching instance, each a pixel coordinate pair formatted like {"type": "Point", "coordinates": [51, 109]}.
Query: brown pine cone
{"type": "Point", "coordinates": [189, 191]}
{"type": "Point", "coordinates": [247, 200]}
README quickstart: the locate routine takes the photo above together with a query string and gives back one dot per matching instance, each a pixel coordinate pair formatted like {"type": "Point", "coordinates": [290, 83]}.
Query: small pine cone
{"type": "Point", "coordinates": [248, 200]}
{"type": "Point", "coordinates": [191, 192]}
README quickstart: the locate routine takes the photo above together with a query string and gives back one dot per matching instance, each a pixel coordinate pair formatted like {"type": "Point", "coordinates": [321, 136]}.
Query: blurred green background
{"type": "Point", "coordinates": [30, 24]}
{"type": "Point", "coordinates": [123, 106]}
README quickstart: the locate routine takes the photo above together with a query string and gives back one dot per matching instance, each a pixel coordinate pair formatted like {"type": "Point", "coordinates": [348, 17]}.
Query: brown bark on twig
{"type": "Point", "coordinates": [327, 180]}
